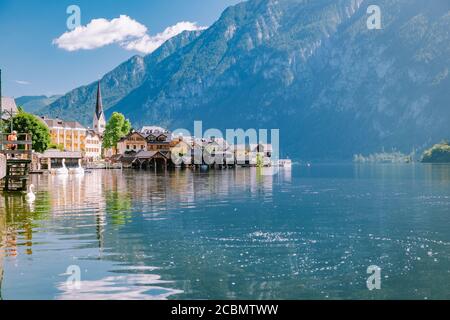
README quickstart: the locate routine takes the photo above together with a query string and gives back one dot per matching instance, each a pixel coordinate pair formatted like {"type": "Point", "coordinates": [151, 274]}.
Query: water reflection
{"type": "Point", "coordinates": [2, 251]}
{"type": "Point", "coordinates": [20, 219]}
{"type": "Point", "coordinates": [302, 233]}
{"type": "Point", "coordinates": [131, 283]}
{"type": "Point", "coordinates": [439, 172]}
{"type": "Point", "coordinates": [94, 208]}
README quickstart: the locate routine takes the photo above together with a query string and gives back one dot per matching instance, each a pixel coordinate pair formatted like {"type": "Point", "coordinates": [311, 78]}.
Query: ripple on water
{"type": "Point", "coordinates": [133, 283]}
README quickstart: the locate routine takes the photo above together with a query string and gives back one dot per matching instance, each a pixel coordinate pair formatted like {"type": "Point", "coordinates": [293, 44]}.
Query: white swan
{"type": "Point", "coordinates": [63, 170]}
{"type": "Point", "coordinates": [79, 170]}
{"type": "Point", "coordinates": [30, 197]}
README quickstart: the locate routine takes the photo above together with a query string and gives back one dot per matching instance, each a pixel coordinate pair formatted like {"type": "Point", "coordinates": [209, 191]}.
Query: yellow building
{"type": "Point", "coordinates": [69, 135]}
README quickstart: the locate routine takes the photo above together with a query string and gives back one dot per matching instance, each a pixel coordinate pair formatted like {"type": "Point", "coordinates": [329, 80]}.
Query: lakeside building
{"type": "Point", "coordinates": [218, 150]}
{"type": "Point", "coordinates": [52, 159]}
{"type": "Point", "coordinates": [67, 135]}
{"type": "Point", "coordinates": [264, 151]}
{"type": "Point", "coordinates": [242, 154]}
{"type": "Point", "coordinates": [94, 138]}
{"type": "Point", "coordinates": [71, 136]}
{"type": "Point", "coordinates": [158, 139]}
{"type": "Point", "coordinates": [247, 154]}
{"type": "Point", "coordinates": [147, 139]}
{"type": "Point", "coordinates": [93, 150]}
{"type": "Point", "coordinates": [133, 142]}
{"type": "Point", "coordinates": [183, 148]}
{"type": "Point", "coordinates": [152, 147]}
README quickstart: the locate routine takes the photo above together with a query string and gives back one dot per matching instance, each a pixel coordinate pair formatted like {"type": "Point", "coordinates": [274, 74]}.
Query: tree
{"type": "Point", "coordinates": [116, 128]}
{"type": "Point", "coordinates": [439, 153]}
{"type": "Point", "coordinates": [259, 161]}
{"type": "Point", "coordinates": [24, 122]}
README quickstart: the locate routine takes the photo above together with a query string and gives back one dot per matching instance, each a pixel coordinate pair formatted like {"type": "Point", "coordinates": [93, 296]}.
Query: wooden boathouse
{"type": "Point", "coordinates": [18, 156]}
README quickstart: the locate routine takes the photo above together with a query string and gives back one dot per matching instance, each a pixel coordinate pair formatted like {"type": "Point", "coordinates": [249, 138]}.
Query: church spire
{"type": "Point", "coordinates": [99, 115]}
{"type": "Point", "coordinates": [99, 105]}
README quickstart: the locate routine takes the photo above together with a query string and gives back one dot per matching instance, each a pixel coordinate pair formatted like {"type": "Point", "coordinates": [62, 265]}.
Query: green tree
{"type": "Point", "coordinates": [24, 122]}
{"type": "Point", "coordinates": [116, 128]}
{"type": "Point", "coordinates": [259, 161]}
{"type": "Point", "coordinates": [439, 153]}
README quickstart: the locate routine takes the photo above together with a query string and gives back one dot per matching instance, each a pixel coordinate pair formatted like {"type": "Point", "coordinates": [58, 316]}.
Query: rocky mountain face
{"type": "Point", "coordinates": [34, 104]}
{"type": "Point", "coordinates": [311, 68]}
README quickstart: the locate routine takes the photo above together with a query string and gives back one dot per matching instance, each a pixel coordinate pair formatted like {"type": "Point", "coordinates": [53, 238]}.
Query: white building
{"type": "Point", "coordinates": [93, 149]}
{"type": "Point", "coordinates": [220, 151]}
{"type": "Point", "coordinates": [94, 138]}
{"type": "Point", "coordinates": [264, 151]}
{"type": "Point", "coordinates": [247, 154]}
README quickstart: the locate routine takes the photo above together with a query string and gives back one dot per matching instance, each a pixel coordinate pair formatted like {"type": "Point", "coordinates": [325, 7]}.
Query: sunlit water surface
{"type": "Point", "coordinates": [305, 233]}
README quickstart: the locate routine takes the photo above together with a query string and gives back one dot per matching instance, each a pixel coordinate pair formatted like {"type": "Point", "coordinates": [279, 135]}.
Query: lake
{"type": "Point", "coordinates": [303, 233]}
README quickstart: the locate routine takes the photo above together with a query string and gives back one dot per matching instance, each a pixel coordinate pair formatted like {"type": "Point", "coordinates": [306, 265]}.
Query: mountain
{"type": "Point", "coordinates": [34, 104]}
{"type": "Point", "coordinates": [311, 68]}
{"type": "Point", "coordinates": [79, 104]}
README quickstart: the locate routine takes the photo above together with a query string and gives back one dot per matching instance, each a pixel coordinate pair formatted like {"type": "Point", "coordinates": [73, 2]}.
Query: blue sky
{"type": "Point", "coordinates": [32, 64]}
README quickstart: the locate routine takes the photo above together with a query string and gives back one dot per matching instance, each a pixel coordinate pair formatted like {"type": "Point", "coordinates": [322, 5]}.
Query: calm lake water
{"type": "Point", "coordinates": [304, 233]}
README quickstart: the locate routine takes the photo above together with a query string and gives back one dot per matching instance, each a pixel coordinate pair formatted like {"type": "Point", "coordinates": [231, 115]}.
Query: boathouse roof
{"type": "Point", "coordinates": [56, 154]}
{"type": "Point", "coordinates": [131, 134]}
{"type": "Point", "coordinates": [150, 154]}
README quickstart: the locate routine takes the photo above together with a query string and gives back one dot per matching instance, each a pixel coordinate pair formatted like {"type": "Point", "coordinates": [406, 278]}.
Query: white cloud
{"type": "Point", "coordinates": [99, 33]}
{"type": "Point", "coordinates": [128, 33]}
{"type": "Point", "coordinates": [148, 44]}
{"type": "Point", "coordinates": [22, 82]}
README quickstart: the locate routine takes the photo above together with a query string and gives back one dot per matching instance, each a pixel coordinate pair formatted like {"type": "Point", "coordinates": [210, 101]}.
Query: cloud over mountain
{"type": "Point", "coordinates": [124, 31]}
{"type": "Point", "coordinates": [148, 44]}
{"type": "Point", "coordinates": [310, 68]}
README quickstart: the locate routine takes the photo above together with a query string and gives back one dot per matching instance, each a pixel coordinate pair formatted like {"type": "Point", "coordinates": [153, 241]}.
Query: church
{"type": "Point", "coordinates": [94, 136]}
{"type": "Point", "coordinates": [99, 116]}
{"type": "Point", "coordinates": [72, 136]}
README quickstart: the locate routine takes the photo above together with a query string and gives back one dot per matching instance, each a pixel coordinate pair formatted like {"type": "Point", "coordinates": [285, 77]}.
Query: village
{"type": "Point", "coordinates": [77, 148]}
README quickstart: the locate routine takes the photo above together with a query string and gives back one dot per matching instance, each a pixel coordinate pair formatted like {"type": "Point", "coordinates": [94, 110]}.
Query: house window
{"type": "Point", "coordinates": [128, 147]}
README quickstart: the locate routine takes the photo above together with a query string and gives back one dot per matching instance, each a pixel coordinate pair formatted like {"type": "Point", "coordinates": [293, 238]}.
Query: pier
{"type": "Point", "coordinates": [17, 155]}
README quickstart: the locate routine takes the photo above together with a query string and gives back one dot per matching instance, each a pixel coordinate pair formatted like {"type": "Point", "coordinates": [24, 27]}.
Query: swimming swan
{"type": "Point", "coordinates": [79, 170]}
{"type": "Point", "coordinates": [30, 197]}
{"type": "Point", "coordinates": [62, 170]}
